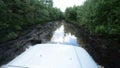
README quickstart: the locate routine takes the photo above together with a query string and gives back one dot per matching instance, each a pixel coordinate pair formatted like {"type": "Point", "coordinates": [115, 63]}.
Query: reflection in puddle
{"type": "Point", "coordinates": [58, 35]}
{"type": "Point", "coordinates": [62, 36]}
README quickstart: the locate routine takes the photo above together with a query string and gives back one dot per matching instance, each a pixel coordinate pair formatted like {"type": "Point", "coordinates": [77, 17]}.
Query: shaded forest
{"type": "Point", "coordinates": [98, 17]}
{"type": "Point", "coordinates": [18, 15]}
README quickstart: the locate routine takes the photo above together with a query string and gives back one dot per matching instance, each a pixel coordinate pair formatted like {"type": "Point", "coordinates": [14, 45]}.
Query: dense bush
{"type": "Point", "coordinates": [16, 15]}
{"type": "Point", "coordinates": [97, 16]}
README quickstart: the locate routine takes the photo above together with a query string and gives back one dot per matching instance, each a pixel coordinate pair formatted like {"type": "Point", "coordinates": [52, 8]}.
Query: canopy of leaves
{"type": "Point", "coordinates": [97, 16]}
{"type": "Point", "coordinates": [15, 15]}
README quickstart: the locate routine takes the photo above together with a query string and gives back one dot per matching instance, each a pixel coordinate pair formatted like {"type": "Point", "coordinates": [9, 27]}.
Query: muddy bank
{"type": "Point", "coordinates": [105, 50]}
{"type": "Point", "coordinates": [10, 49]}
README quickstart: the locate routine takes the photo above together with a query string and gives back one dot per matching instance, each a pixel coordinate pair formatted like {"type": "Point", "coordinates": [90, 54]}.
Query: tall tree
{"type": "Point", "coordinates": [15, 15]}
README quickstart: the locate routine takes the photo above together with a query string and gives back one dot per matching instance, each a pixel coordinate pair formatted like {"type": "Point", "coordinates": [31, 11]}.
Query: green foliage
{"type": "Point", "coordinates": [17, 15]}
{"type": "Point", "coordinates": [97, 16]}
{"type": "Point", "coordinates": [56, 14]}
{"type": "Point", "coordinates": [11, 35]}
{"type": "Point", "coordinates": [71, 14]}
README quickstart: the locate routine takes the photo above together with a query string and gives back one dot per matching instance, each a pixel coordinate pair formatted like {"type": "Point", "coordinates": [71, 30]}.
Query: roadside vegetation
{"type": "Point", "coordinates": [18, 15]}
{"type": "Point", "coordinates": [98, 17]}
{"type": "Point", "coordinates": [101, 21]}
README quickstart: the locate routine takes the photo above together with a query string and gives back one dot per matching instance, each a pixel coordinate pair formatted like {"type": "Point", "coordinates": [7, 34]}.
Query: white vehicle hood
{"type": "Point", "coordinates": [53, 56]}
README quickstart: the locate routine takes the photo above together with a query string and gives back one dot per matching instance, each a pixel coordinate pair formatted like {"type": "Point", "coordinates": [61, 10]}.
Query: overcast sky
{"type": "Point", "coordinates": [63, 4]}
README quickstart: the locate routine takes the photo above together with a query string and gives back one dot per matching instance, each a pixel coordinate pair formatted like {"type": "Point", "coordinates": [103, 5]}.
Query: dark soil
{"type": "Point", "coordinates": [105, 50]}
{"type": "Point", "coordinates": [31, 36]}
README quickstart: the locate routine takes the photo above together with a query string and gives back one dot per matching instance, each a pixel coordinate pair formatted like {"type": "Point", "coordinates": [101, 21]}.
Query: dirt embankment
{"type": "Point", "coordinates": [10, 49]}
{"type": "Point", "coordinates": [105, 50]}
